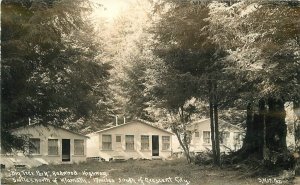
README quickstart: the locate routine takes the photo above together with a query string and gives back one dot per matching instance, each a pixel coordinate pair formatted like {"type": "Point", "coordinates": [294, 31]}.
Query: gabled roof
{"type": "Point", "coordinates": [222, 123]}
{"type": "Point", "coordinates": [56, 127]}
{"type": "Point", "coordinates": [131, 122]}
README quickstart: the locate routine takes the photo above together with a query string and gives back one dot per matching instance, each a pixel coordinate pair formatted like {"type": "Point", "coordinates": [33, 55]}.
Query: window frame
{"type": "Point", "coordinates": [107, 142]}
{"type": "Point", "coordinates": [143, 143]}
{"type": "Point", "coordinates": [57, 147]}
{"type": "Point", "coordinates": [83, 147]}
{"type": "Point", "coordinates": [205, 137]}
{"type": "Point", "coordinates": [237, 140]}
{"type": "Point", "coordinates": [118, 141]}
{"type": "Point", "coordinates": [224, 135]}
{"type": "Point", "coordinates": [237, 137]}
{"type": "Point", "coordinates": [33, 145]}
{"type": "Point", "coordinates": [129, 143]}
{"type": "Point", "coordinates": [166, 143]}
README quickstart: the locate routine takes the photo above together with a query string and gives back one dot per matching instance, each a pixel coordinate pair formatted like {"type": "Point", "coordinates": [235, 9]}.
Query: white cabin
{"type": "Point", "coordinates": [47, 145]}
{"type": "Point", "coordinates": [231, 137]}
{"type": "Point", "coordinates": [134, 139]}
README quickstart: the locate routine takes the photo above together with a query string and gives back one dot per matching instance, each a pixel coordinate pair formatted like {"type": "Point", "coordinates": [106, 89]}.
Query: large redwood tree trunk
{"type": "Point", "coordinates": [266, 133]}
{"type": "Point", "coordinates": [275, 126]}
{"type": "Point", "coordinates": [254, 139]}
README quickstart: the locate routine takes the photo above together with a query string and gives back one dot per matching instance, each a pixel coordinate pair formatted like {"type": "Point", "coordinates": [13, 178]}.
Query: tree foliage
{"type": "Point", "coordinates": [262, 39]}
{"type": "Point", "coordinates": [227, 55]}
{"type": "Point", "coordinates": [51, 71]}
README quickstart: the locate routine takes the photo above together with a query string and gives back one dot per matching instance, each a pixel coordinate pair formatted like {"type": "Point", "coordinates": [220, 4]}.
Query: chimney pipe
{"type": "Point", "coordinates": [124, 120]}
{"type": "Point", "coordinates": [116, 120]}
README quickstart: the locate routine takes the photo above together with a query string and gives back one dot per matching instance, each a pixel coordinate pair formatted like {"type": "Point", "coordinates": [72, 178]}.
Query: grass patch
{"type": "Point", "coordinates": [151, 172]}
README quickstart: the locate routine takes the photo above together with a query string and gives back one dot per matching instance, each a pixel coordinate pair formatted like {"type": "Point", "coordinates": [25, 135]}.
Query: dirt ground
{"type": "Point", "coordinates": [144, 172]}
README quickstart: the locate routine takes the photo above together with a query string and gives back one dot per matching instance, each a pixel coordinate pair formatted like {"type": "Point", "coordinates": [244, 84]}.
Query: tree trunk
{"type": "Point", "coordinates": [263, 113]}
{"type": "Point", "coordinates": [276, 127]}
{"type": "Point", "coordinates": [216, 120]}
{"type": "Point", "coordinates": [212, 127]}
{"type": "Point", "coordinates": [217, 137]}
{"type": "Point", "coordinates": [254, 139]}
{"type": "Point", "coordinates": [259, 121]}
{"type": "Point", "coordinates": [185, 150]}
{"type": "Point", "coordinates": [184, 143]}
{"type": "Point", "coordinates": [296, 109]}
{"type": "Point", "coordinates": [266, 134]}
{"type": "Point", "coordinates": [248, 141]}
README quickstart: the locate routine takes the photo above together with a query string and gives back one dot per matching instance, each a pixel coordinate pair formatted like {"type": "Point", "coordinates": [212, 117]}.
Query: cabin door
{"type": "Point", "coordinates": [66, 150]}
{"type": "Point", "coordinates": [155, 146]}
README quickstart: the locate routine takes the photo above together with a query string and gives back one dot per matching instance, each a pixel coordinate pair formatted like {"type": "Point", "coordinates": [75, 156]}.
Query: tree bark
{"type": "Point", "coordinates": [249, 141]}
{"type": "Point", "coordinates": [216, 120]}
{"type": "Point", "coordinates": [266, 134]}
{"type": "Point", "coordinates": [296, 109]}
{"type": "Point", "coordinates": [185, 150]}
{"type": "Point", "coordinates": [217, 137]}
{"type": "Point", "coordinates": [212, 127]}
{"type": "Point", "coordinates": [184, 143]}
{"type": "Point", "coordinates": [263, 113]}
{"type": "Point", "coordinates": [276, 127]}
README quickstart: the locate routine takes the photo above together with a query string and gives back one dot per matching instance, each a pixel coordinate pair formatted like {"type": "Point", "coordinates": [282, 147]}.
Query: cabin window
{"type": "Point", "coordinates": [206, 137]}
{"type": "Point", "coordinates": [78, 147]}
{"type": "Point", "coordinates": [118, 139]}
{"type": "Point", "coordinates": [197, 134]}
{"type": "Point", "coordinates": [224, 136]}
{"type": "Point", "coordinates": [144, 142]}
{"type": "Point", "coordinates": [106, 142]}
{"type": "Point", "coordinates": [34, 145]}
{"type": "Point", "coordinates": [237, 137]}
{"type": "Point", "coordinates": [165, 142]}
{"type": "Point", "coordinates": [237, 140]}
{"type": "Point", "coordinates": [52, 146]}
{"type": "Point", "coordinates": [129, 140]}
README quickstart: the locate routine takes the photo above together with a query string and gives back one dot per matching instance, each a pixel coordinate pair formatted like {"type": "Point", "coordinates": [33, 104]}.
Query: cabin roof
{"type": "Point", "coordinates": [56, 127]}
{"type": "Point", "coordinates": [222, 124]}
{"type": "Point", "coordinates": [131, 122]}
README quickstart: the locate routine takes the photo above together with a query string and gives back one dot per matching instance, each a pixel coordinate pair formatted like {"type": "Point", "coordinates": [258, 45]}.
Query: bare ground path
{"type": "Point", "coordinates": [142, 172]}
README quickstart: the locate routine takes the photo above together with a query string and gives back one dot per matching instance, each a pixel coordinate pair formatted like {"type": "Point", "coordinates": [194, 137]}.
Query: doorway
{"type": "Point", "coordinates": [155, 146]}
{"type": "Point", "coordinates": [66, 150]}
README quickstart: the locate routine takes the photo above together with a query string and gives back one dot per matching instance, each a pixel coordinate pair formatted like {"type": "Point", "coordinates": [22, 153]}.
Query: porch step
{"type": "Point", "coordinates": [100, 159]}
{"type": "Point", "coordinates": [156, 158]}
{"type": "Point", "coordinates": [118, 158]}
{"type": "Point", "coordinates": [20, 166]}
{"type": "Point", "coordinates": [17, 163]}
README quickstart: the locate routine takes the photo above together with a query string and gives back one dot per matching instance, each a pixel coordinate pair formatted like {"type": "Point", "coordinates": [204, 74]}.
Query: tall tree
{"type": "Point", "coordinates": [127, 48]}
{"type": "Point", "coordinates": [51, 72]}
{"type": "Point", "coordinates": [184, 45]}
{"type": "Point", "coordinates": [262, 40]}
